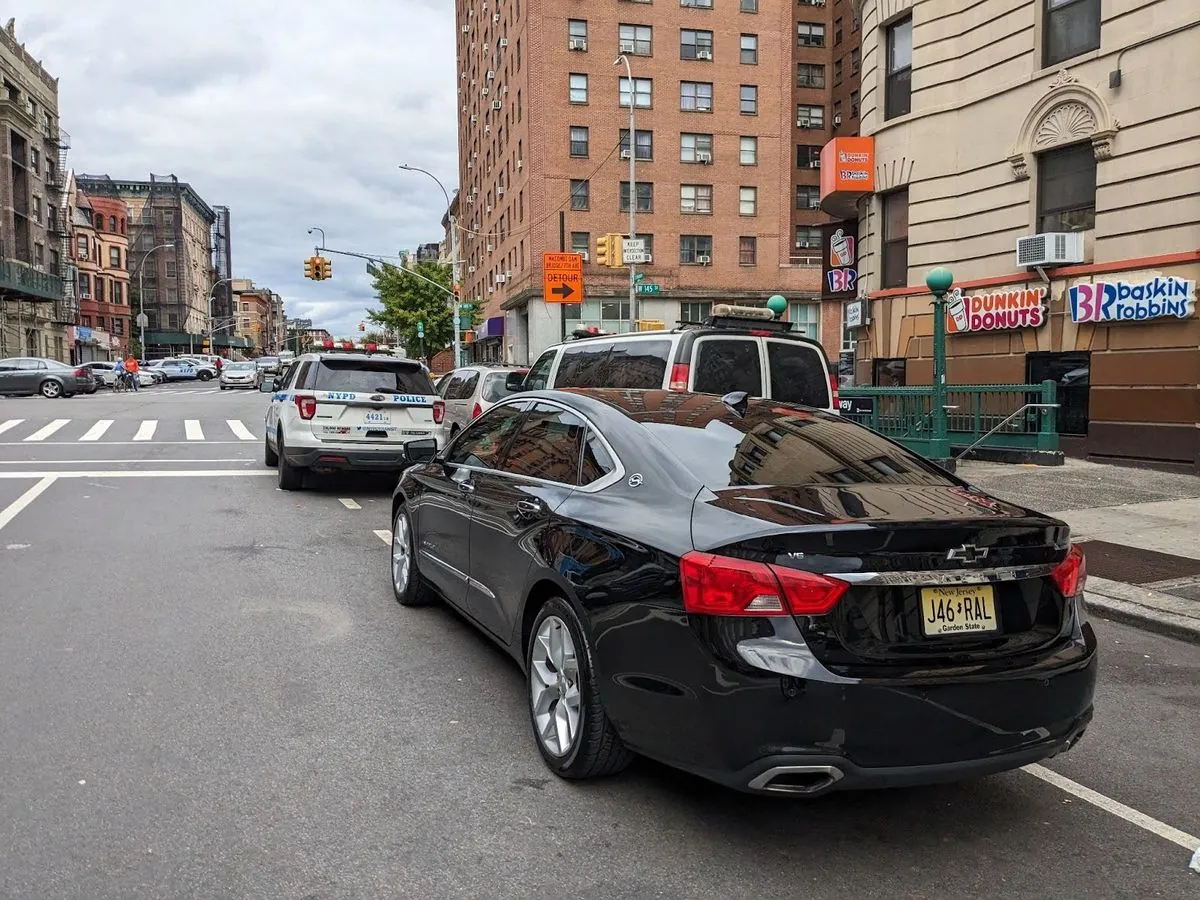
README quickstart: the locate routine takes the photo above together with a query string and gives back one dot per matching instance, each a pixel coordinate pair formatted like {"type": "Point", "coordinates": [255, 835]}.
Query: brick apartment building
{"type": "Point", "coordinates": [721, 152]}
{"type": "Point", "coordinates": [100, 253]}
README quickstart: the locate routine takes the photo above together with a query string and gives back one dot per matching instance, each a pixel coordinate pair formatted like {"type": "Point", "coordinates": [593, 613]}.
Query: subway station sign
{"type": "Point", "coordinates": [995, 311]}
{"type": "Point", "coordinates": [1125, 301]}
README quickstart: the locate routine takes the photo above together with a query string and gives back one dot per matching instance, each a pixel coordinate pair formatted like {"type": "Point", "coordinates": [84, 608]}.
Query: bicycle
{"type": "Point", "coordinates": [123, 383]}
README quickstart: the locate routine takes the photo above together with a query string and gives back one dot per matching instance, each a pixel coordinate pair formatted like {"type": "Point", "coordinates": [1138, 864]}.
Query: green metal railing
{"type": "Point", "coordinates": [1001, 416]}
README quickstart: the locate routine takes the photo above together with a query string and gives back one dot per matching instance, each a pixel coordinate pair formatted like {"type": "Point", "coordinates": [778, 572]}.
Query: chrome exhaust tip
{"type": "Point", "coordinates": [806, 780]}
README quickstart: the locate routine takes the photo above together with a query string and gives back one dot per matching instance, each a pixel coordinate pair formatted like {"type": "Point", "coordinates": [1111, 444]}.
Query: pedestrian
{"type": "Point", "coordinates": [218, 363]}
{"type": "Point", "coordinates": [132, 369]}
{"type": "Point", "coordinates": [119, 369]}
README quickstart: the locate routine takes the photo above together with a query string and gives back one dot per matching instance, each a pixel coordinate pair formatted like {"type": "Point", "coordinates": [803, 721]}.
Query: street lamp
{"type": "Point", "coordinates": [322, 230]}
{"type": "Point", "coordinates": [212, 291]}
{"type": "Point", "coordinates": [141, 319]}
{"type": "Point", "coordinates": [453, 257]}
{"type": "Point", "coordinates": [633, 311]}
{"type": "Point", "coordinates": [939, 281]}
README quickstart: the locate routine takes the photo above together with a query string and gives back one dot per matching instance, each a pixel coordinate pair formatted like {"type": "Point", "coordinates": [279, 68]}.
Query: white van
{"type": "Point", "coordinates": [738, 348]}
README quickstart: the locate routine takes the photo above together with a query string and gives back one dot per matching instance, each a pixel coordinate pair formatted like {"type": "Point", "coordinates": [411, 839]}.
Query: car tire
{"type": "Point", "coordinates": [593, 749]}
{"type": "Point", "coordinates": [50, 389]}
{"type": "Point", "coordinates": [412, 589]}
{"type": "Point", "coordinates": [291, 478]}
{"type": "Point", "coordinates": [205, 376]}
{"type": "Point", "coordinates": [222, 387]}
{"type": "Point", "coordinates": [270, 457]}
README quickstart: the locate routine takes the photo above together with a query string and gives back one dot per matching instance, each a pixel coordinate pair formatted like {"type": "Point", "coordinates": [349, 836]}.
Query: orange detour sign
{"type": "Point", "coordinates": [562, 277]}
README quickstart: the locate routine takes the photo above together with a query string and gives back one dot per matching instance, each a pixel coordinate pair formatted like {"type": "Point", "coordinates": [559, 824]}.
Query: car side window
{"type": "Point", "coordinates": [443, 385]}
{"type": "Point", "coordinates": [467, 389]}
{"type": "Point", "coordinates": [482, 444]}
{"type": "Point", "coordinates": [539, 375]}
{"type": "Point", "coordinates": [597, 461]}
{"type": "Point", "coordinates": [548, 445]}
{"type": "Point", "coordinates": [455, 380]}
{"type": "Point", "coordinates": [725, 365]}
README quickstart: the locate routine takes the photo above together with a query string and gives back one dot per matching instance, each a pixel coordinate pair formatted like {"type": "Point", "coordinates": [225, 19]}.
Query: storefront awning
{"type": "Point", "coordinates": [491, 328]}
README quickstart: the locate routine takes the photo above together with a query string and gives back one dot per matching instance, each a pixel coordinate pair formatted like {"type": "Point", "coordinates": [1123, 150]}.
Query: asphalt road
{"type": "Point", "coordinates": [207, 690]}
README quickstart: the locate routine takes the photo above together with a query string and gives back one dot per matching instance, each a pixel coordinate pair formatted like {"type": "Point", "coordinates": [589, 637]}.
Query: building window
{"type": "Point", "coordinates": [579, 88]}
{"type": "Point", "coordinates": [747, 201]}
{"type": "Point", "coordinates": [635, 39]}
{"type": "Point", "coordinates": [810, 116]}
{"type": "Point", "coordinates": [168, 217]}
{"type": "Point", "coordinates": [696, 96]}
{"type": "Point", "coordinates": [808, 196]}
{"type": "Point", "coordinates": [808, 156]}
{"type": "Point", "coordinates": [697, 4]}
{"type": "Point", "coordinates": [810, 75]}
{"type": "Point", "coordinates": [695, 44]}
{"type": "Point", "coordinates": [170, 268]}
{"type": "Point", "coordinates": [99, 290]}
{"type": "Point", "coordinates": [642, 92]}
{"type": "Point", "coordinates": [643, 143]}
{"type": "Point", "coordinates": [897, 89]}
{"type": "Point", "coordinates": [1066, 194]}
{"type": "Point", "coordinates": [748, 100]}
{"type": "Point", "coordinates": [696, 199]}
{"type": "Point", "coordinates": [645, 196]}
{"type": "Point", "coordinates": [580, 194]}
{"type": "Point", "coordinates": [81, 247]}
{"type": "Point", "coordinates": [806, 319]}
{"type": "Point", "coordinates": [855, 60]}
{"type": "Point", "coordinates": [114, 257]}
{"type": "Point", "coordinates": [747, 250]}
{"type": "Point", "coordinates": [837, 31]}
{"type": "Point", "coordinates": [112, 224]}
{"type": "Point", "coordinates": [579, 140]}
{"type": "Point", "coordinates": [85, 285]}
{"type": "Point", "coordinates": [749, 50]}
{"type": "Point", "coordinates": [694, 312]}
{"type": "Point", "coordinates": [695, 148]}
{"type": "Point", "coordinates": [695, 249]}
{"type": "Point", "coordinates": [581, 241]}
{"type": "Point", "coordinates": [810, 34]}
{"type": "Point", "coordinates": [1072, 27]}
{"type": "Point", "coordinates": [749, 6]}
{"type": "Point", "coordinates": [854, 104]}
{"type": "Point", "coordinates": [808, 238]}
{"type": "Point", "coordinates": [748, 150]}
{"type": "Point", "coordinates": [577, 33]}
{"type": "Point", "coordinates": [837, 71]}
{"type": "Point", "coordinates": [118, 325]}
{"type": "Point", "coordinates": [37, 209]}
{"type": "Point", "coordinates": [895, 239]}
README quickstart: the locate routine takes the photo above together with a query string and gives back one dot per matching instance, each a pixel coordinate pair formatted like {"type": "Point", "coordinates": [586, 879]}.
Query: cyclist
{"type": "Point", "coordinates": [131, 371]}
{"type": "Point", "coordinates": [119, 369]}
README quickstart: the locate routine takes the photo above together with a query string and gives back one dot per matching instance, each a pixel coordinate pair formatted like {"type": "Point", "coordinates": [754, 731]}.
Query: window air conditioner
{"type": "Point", "coordinates": [1050, 249]}
{"type": "Point", "coordinates": [703, 54]}
{"type": "Point", "coordinates": [520, 164]}
{"type": "Point", "coordinates": [814, 164]}
{"type": "Point", "coordinates": [489, 246]}
{"type": "Point", "coordinates": [814, 204]}
{"type": "Point", "coordinates": [484, 91]}
{"type": "Point", "coordinates": [474, 118]}
{"type": "Point", "coordinates": [804, 123]}
{"type": "Point", "coordinates": [704, 157]}
{"type": "Point", "coordinates": [837, 120]}
{"type": "Point", "coordinates": [585, 256]}
{"type": "Point", "coordinates": [628, 46]}
{"type": "Point", "coordinates": [577, 44]}
{"type": "Point", "coordinates": [624, 154]}
{"type": "Point", "coordinates": [500, 191]}
{"type": "Point", "coordinates": [470, 270]}
{"type": "Point", "coordinates": [491, 74]}
{"type": "Point", "coordinates": [704, 260]}
{"type": "Point", "coordinates": [466, 29]}
{"type": "Point", "coordinates": [501, 278]}
{"type": "Point", "coordinates": [496, 18]}
{"type": "Point", "coordinates": [496, 105]}
{"type": "Point", "coordinates": [503, 42]}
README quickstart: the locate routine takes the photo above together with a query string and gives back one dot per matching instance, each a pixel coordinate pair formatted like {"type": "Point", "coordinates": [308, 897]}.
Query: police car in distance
{"type": "Point", "coordinates": [345, 410]}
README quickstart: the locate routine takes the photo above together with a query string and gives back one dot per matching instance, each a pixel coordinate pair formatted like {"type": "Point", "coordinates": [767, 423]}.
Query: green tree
{"type": "Point", "coordinates": [406, 300]}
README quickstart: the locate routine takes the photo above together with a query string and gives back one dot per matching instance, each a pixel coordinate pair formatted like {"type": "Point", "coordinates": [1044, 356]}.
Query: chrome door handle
{"type": "Point", "coordinates": [530, 508]}
{"type": "Point", "coordinates": [466, 487]}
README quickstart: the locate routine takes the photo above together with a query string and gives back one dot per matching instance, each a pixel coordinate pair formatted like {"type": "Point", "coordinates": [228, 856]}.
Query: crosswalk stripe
{"type": "Point", "coordinates": [146, 430]}
{"type": "Point", "coordinates": [46, 430]}
{"type": "Point", "coordinates": [192, 430]}
{"type": "Point", "coordinates": [97, 431]}
{"type": "Point", "coordinates": [11, 423]}
{"type": "Point", "coordinates": [240, 431]}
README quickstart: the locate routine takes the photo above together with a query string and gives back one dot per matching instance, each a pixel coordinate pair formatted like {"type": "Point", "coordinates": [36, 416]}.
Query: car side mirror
{"type": "Point", "coordinates": [515, 382]}
{"type": "Point", "coordinates": [268, 386]}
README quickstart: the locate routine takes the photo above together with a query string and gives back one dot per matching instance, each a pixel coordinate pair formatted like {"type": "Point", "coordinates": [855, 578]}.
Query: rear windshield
{"type": "Point", "coordinates": [369, 376]}
{"type": "Point", "coordinates": [774, 445]}
{"type": "Point", "coordinates": [618, 364]}
{"type": "Point", "coordinates": [798, 374]}
{"type": "Point", "coordinates": [493, 387]}
{"type": "Point", "coordinates": [268, 360]}
{"type": "Point", "coordinates": [239, 366]}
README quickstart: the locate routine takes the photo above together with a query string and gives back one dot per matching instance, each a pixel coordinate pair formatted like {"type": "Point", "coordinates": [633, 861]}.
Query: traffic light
{"type": "Point", "coordinates": [420, 329]}
{"type": "Point", "coordinates": [310, 268]}
{"type": "Point", "coordinates": [604, 250]}
{"type": "Point", "coordinates": [326, 268]}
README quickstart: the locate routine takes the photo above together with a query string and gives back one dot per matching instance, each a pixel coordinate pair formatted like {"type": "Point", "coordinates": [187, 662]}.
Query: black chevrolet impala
{"type": "Point", "coordinates": [766, 595]}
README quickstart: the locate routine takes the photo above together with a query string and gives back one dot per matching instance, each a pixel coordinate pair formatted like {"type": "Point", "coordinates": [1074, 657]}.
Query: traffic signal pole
{"type": "Point", "coordinates": [633, 310]}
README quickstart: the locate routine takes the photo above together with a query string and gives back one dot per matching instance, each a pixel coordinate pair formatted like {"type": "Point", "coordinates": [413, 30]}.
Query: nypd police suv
{"type": "Point", "coordinates": [350, 411]}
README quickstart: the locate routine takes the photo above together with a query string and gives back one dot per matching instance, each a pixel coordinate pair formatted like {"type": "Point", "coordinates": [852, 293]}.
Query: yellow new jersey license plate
{"type": "Point", "coordinates": [958, 610]}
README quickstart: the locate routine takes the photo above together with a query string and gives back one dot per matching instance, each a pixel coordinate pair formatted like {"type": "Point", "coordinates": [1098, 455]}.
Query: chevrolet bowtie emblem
{"type": "Point", "coordinates": [968, 553]}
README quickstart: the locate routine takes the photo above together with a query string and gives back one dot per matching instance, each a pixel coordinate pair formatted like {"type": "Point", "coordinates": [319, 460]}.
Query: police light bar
{"type": "Point", "coordinates": [729, 310]}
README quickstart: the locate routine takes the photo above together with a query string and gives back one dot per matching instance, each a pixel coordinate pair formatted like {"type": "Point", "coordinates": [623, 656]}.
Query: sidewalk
{"type": "Point", "coordinates": [1140, 529]}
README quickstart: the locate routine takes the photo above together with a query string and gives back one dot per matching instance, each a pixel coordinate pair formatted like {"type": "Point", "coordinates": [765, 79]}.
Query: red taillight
{"type": "Point", "coordinates": [476, 411]}
{"type": "Point", "coordinates": [307, 407]}
{"type": "Point", "coordinates": [724, 586]}
{"type": "Point", "coordinates": [439, 412]}
{"type": "Point", "coordinates": [833, 390]}
{"type": "Point", "coordinates": [1070, 574]}
{"type": "Point", "coordinates": [758, 332]}
{"type": "Point", "coordinates": [679, 377]}
{"type": "Point", "coordinates": [81, 373]}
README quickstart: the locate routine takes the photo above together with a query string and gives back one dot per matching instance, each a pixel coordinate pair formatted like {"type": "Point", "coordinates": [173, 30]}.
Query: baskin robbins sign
{"type": "Point", "coordinates": [1124, 301]}
{"type": "Point", "coordinates": [995, 311]}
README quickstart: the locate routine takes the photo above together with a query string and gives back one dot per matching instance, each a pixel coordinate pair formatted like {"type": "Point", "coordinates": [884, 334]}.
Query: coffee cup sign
{"type": "Point", "coordinates": [841, 250]}
{"type": "Point", "coordinates": [996, 311]}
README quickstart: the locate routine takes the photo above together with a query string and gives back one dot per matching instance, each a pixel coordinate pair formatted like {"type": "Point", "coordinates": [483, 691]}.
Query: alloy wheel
{"type": "Point", "coordinates": [51, 389]}
{"type": "Point", "coordinates": [401, 558]}
{"type": "Point", "coordinates": [554, 687]}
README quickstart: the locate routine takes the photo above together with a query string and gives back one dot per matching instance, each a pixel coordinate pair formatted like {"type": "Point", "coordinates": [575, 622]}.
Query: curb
{"type": "Point", "coordinates": [1145, 608]}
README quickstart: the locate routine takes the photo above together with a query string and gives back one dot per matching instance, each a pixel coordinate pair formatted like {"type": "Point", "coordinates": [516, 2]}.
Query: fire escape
{"type": "Point", "coordinates": [58, 144]}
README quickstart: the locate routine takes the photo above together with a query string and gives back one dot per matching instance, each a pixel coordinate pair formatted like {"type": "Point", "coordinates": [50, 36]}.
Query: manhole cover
{"type": "Point", "coordinates": [1133, 565]}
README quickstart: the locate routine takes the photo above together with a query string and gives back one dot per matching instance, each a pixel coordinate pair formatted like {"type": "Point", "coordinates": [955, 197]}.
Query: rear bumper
{"type": "Point", "coordinates": [352, 458]}
{"type": "Point", "coordinates": [239, 384]}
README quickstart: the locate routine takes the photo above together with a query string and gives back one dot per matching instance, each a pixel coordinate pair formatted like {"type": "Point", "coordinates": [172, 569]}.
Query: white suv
{"type": "Point", "coordinates": [350, 411]}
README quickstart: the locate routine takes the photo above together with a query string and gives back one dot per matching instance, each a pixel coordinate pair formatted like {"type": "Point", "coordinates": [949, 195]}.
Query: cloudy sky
{"type": "Point", "coordinates": [292, 114]}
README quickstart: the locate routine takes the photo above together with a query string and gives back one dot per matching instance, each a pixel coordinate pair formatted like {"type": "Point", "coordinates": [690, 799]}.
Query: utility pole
{"type": "Point", "coordinates": [453, 261]}
{"type": "Point", "coordinates": [212, 347]}
{"type": "Point", "coordinates": [939, 281]}
{"type": "Point", "coordinates": [141, 319]}
{"type": "Point", "coordinates": [633, 310]}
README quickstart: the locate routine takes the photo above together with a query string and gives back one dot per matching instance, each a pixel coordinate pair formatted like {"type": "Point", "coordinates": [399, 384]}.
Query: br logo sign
{"type": "Point", "coordinates": [841, 276]}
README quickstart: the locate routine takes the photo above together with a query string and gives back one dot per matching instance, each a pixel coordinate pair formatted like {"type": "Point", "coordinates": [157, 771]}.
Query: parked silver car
{"type": "Point", "coordinates": [471, 391]}
{"type": "Point", "coordinates": [240, 374]}
{"type": "Point", "coordinates": [48, 377]}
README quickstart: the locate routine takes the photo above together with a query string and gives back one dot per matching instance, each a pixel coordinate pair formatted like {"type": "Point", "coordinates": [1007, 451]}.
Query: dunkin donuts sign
{"type": "Point", "coordinates": [997, 311]}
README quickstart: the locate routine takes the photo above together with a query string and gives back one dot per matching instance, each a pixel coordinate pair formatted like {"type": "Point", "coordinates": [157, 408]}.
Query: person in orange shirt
{"type": "Point", "coordinates": [131, 369]}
